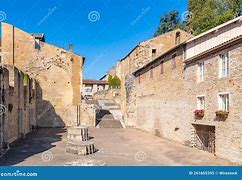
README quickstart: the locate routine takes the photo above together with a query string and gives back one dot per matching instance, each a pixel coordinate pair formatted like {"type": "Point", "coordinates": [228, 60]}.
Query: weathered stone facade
{"type": "Point", "coordinates": [58, 73]}
{"type": "Point", "coordinates": [161, 98]}
{"type": "Point", "coordinates": [17, 105]}
{"type": "Point", "coordinates": [228, 135]}
{"type": "Point", "coordinates": [167, 90]}
{"type": "Point", "coordinates": [142, 54]}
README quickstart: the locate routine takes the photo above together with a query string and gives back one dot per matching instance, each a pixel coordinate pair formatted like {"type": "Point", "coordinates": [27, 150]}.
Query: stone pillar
{"type": "Point", "coordinates": [20, 105]}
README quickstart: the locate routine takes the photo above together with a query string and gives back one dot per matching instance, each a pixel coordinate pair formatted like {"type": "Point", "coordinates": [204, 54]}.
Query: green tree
{"type": "Point", "coordinates": [206, 14]}
{"type": "Point", "coordinates": [116, 83]}
{"type": "Point", "coordinates": [169, 22]}
{"type": "Point", "coordinates": [110, 77]}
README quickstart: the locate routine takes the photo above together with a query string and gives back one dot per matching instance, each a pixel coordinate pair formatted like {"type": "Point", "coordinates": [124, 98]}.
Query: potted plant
{"type": "Point", "coordinates": [199, 113]}
{"type": "Point", "coordinates": [222, 114]}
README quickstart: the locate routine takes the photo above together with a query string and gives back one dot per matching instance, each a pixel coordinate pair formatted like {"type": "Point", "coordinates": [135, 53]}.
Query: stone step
{"type": "Point", "coordinates": [82, 148]}
{"type": "Point", "coordinates": [108, 107]}
{"type": "Point", "coordinates": [107, 116]}
{"type": "Point", "coordinates": [110, 124]}
{"type": "Point", "coordinates": [110, 104]}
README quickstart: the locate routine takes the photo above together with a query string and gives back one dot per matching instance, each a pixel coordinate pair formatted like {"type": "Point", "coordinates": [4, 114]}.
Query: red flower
{"type": "Point", "coordinates": [199, 113]}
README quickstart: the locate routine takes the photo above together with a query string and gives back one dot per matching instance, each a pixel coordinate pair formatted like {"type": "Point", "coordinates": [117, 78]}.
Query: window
{"type": "Point", "coordinates": [224, 101]}
{"type": "Point", "coordinates": [201, 71]}
{"type": "Point", "coordinates": [153, 53]}
{"type": "Point", "coordinates": [151, 72]}
{"type": "Point", "coordinates": [173, 61]}
{"type": "Point", "coordinates": [200, 102]}
{"type": "Point", "coordinates": [88, 90]}
{"type": "Point", "coordinates": [224, 65]}
{"type": "Point", "coordinates": [161, 67]}
{"type": "Point", "coordinates": [37, 44]}
{"type": "Point", "coordinates": [178, 38]}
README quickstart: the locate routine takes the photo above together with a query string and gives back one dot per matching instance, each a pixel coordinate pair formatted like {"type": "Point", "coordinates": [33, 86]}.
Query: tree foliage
{"type": "Point", "coordinates": [169, 22]}
{"type": "Point", "coordinates": [202, 15]}
{"type": "Point", "coordinates": [206, 14]}
{"type": "Point", "coordinates": [114, 82]}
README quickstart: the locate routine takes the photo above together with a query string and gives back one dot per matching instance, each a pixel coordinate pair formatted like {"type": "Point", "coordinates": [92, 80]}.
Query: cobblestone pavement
{"type": "Point", "coordinates": [116, 147]}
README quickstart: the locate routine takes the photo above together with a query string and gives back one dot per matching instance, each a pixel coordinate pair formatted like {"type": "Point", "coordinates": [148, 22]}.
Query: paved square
{"type": "Point", "coordinates": [116, 147]}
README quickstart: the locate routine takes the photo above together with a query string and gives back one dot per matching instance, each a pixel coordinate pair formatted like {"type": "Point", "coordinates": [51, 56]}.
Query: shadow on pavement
{"type": "Point", "coordinates": [37, 142]}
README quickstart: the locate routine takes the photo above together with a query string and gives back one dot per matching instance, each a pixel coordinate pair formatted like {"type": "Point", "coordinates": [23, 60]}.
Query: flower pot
{"type": "Point", "coordinates": [222, 114]}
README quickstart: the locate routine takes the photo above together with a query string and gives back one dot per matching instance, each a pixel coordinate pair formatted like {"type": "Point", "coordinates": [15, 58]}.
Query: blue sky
{"type": "Point", "coordinates": [103, 31]}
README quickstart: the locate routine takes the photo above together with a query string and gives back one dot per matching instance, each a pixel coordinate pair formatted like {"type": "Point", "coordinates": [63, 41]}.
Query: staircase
{"type": "Point", "coordinates": [109, 115]}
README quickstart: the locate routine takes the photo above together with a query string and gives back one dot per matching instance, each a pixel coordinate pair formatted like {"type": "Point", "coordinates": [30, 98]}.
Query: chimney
{"type": "Point", "coordinates": [70, 47]}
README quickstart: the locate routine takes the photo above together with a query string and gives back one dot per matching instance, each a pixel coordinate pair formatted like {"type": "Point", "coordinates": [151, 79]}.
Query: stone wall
{"type": "Point", "coordinates": [164, 99]}
{"type": "Point", "coordinates": [112, 94]}
{"type": "Point", "coordinates": [160, 100]}
{"type": "Point", "coordinates": [58, 73]}
{"type": "Point", "coordinates": [17, 105]}
{"type": "Point", "coordinates": [142, 54]}
{"type": "Point", "coordinates": [228, 137]}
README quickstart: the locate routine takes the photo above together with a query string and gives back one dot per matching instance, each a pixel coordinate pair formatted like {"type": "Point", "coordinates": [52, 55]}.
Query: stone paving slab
{"type": "Point", "coordinates": [116, 147]}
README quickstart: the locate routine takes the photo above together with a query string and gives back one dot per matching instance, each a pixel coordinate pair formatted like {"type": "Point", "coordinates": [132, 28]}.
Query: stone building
{"type": "Point", "coordinates": [90, 87]}
{"type": "Point", "coordinates": [203, 73]}
{"type": "Point", "coordinates": [160, 99]}
{"type": "Point", "coordinates": [58, 74]}
{"type": "Point", "coordinates": [17, 105]}
{"type": "Point", "coordinates": [213, 77]}
{"type": "Point", "coordinates": [138, 57]}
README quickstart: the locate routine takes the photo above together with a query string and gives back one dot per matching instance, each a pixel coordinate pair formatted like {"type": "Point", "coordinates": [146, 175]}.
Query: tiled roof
{"type": "Point", "coordinates": [92, 81]}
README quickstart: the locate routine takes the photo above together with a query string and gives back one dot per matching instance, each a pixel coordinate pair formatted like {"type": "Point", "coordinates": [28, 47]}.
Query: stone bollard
{"type": "Point", "coordinates": [79, 142]}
